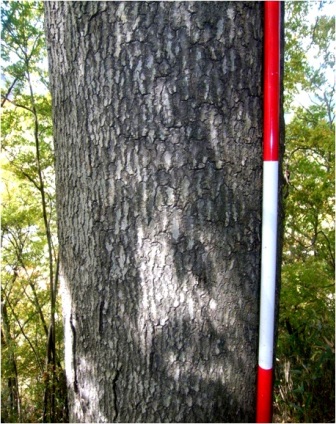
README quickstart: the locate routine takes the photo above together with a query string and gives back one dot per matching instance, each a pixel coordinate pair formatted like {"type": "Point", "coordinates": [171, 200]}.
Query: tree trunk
{"type": "Point", "coordinates": [158, 120]}
{"type": "Point", "coordinates": [10, 400]}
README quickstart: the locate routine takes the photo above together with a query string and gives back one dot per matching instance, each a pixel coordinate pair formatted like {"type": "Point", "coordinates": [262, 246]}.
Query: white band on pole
{"type": "Point", "coordinates": [268, 263]}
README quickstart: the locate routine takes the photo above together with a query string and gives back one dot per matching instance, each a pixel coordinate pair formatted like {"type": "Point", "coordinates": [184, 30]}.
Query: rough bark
{"type": "Point", "coordinates": [157, 121]}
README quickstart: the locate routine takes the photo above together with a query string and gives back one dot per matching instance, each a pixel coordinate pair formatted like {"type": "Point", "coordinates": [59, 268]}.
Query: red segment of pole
{"type": "Point", "coordinates": [271, 80]}
{"type": "Point", "coordinates": [264, 395]}
{"type": "Point", "coordinates": [270, 203]}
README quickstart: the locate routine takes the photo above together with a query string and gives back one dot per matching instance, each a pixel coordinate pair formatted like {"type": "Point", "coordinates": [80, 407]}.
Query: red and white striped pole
{"type": "Point", "coordinates": [269, 209]}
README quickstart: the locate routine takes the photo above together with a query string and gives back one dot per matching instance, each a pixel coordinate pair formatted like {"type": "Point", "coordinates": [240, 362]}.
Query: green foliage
{"type": "Point", "coordinates": [295, 59]}
{"type": "Point", "coordinates": [33, 388]}
{"type": "Point", "coordinates": [23, 43]}
{"type": "Point", "coordinates": [305, 386]}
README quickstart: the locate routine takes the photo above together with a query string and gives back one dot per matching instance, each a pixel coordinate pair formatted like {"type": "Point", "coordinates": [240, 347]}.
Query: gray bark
{"type": "Point", "coordinates": [157, 121]}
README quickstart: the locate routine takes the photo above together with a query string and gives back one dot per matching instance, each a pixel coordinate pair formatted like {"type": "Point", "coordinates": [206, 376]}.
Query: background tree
{"type": "Point", "coordinates": [157, 121]}
{"type": "Point", "coordinates": [31, 337]}
{"type": "Point", "coordinates": [306, 365]}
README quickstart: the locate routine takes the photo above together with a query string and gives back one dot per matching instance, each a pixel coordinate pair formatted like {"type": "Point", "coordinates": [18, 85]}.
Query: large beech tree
{"type": "Point", "coordinates": [157, 110]}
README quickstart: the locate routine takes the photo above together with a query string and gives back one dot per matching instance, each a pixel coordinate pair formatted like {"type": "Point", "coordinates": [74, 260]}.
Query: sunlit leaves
{"type": "Point", "coordinates": [23, 44]}
{"type": "Point", "coordinates": [29, 242]}
{"type": "Point", "coordinates": [296, 62]}
{"type": "Point", "coordinates": [19, 144]}
{"type": "Point", "coordinates": [305, 386]}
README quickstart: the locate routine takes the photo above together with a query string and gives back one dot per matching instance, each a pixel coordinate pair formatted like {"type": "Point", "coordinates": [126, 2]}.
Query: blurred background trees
{"type": "Point", "coordinates": [305, 369]}
{"type": "Point", "coordinates": [31, 332]}
{"type": "Point", "coordinates": [33, 388]}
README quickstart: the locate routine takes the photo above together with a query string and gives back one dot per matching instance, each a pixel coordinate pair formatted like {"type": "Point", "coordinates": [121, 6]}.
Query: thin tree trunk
{"type": "Point", "coordinates": [13, 408]}
{"type": "Point", "coordinates": [157, 119]}
{"type": "Point", "coordinates": [49, 396]}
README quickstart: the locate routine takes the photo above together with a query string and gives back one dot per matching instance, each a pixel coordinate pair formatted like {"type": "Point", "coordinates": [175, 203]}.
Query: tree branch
{"type": "Point", "coordinates": [16, 104]}
{"type": "Point", "coordinates": [8, 92]}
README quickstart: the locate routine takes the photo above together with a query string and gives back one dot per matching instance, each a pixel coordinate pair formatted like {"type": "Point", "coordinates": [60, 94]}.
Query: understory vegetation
{"type": "Point", "coordinates": [33, 382]}
{"type": "Point", "coordinates": [305, 356]}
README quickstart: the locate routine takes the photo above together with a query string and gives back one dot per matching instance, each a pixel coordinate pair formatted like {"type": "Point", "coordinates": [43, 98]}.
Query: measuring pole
{"type": "Point", "coordinates": [269, 209]}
